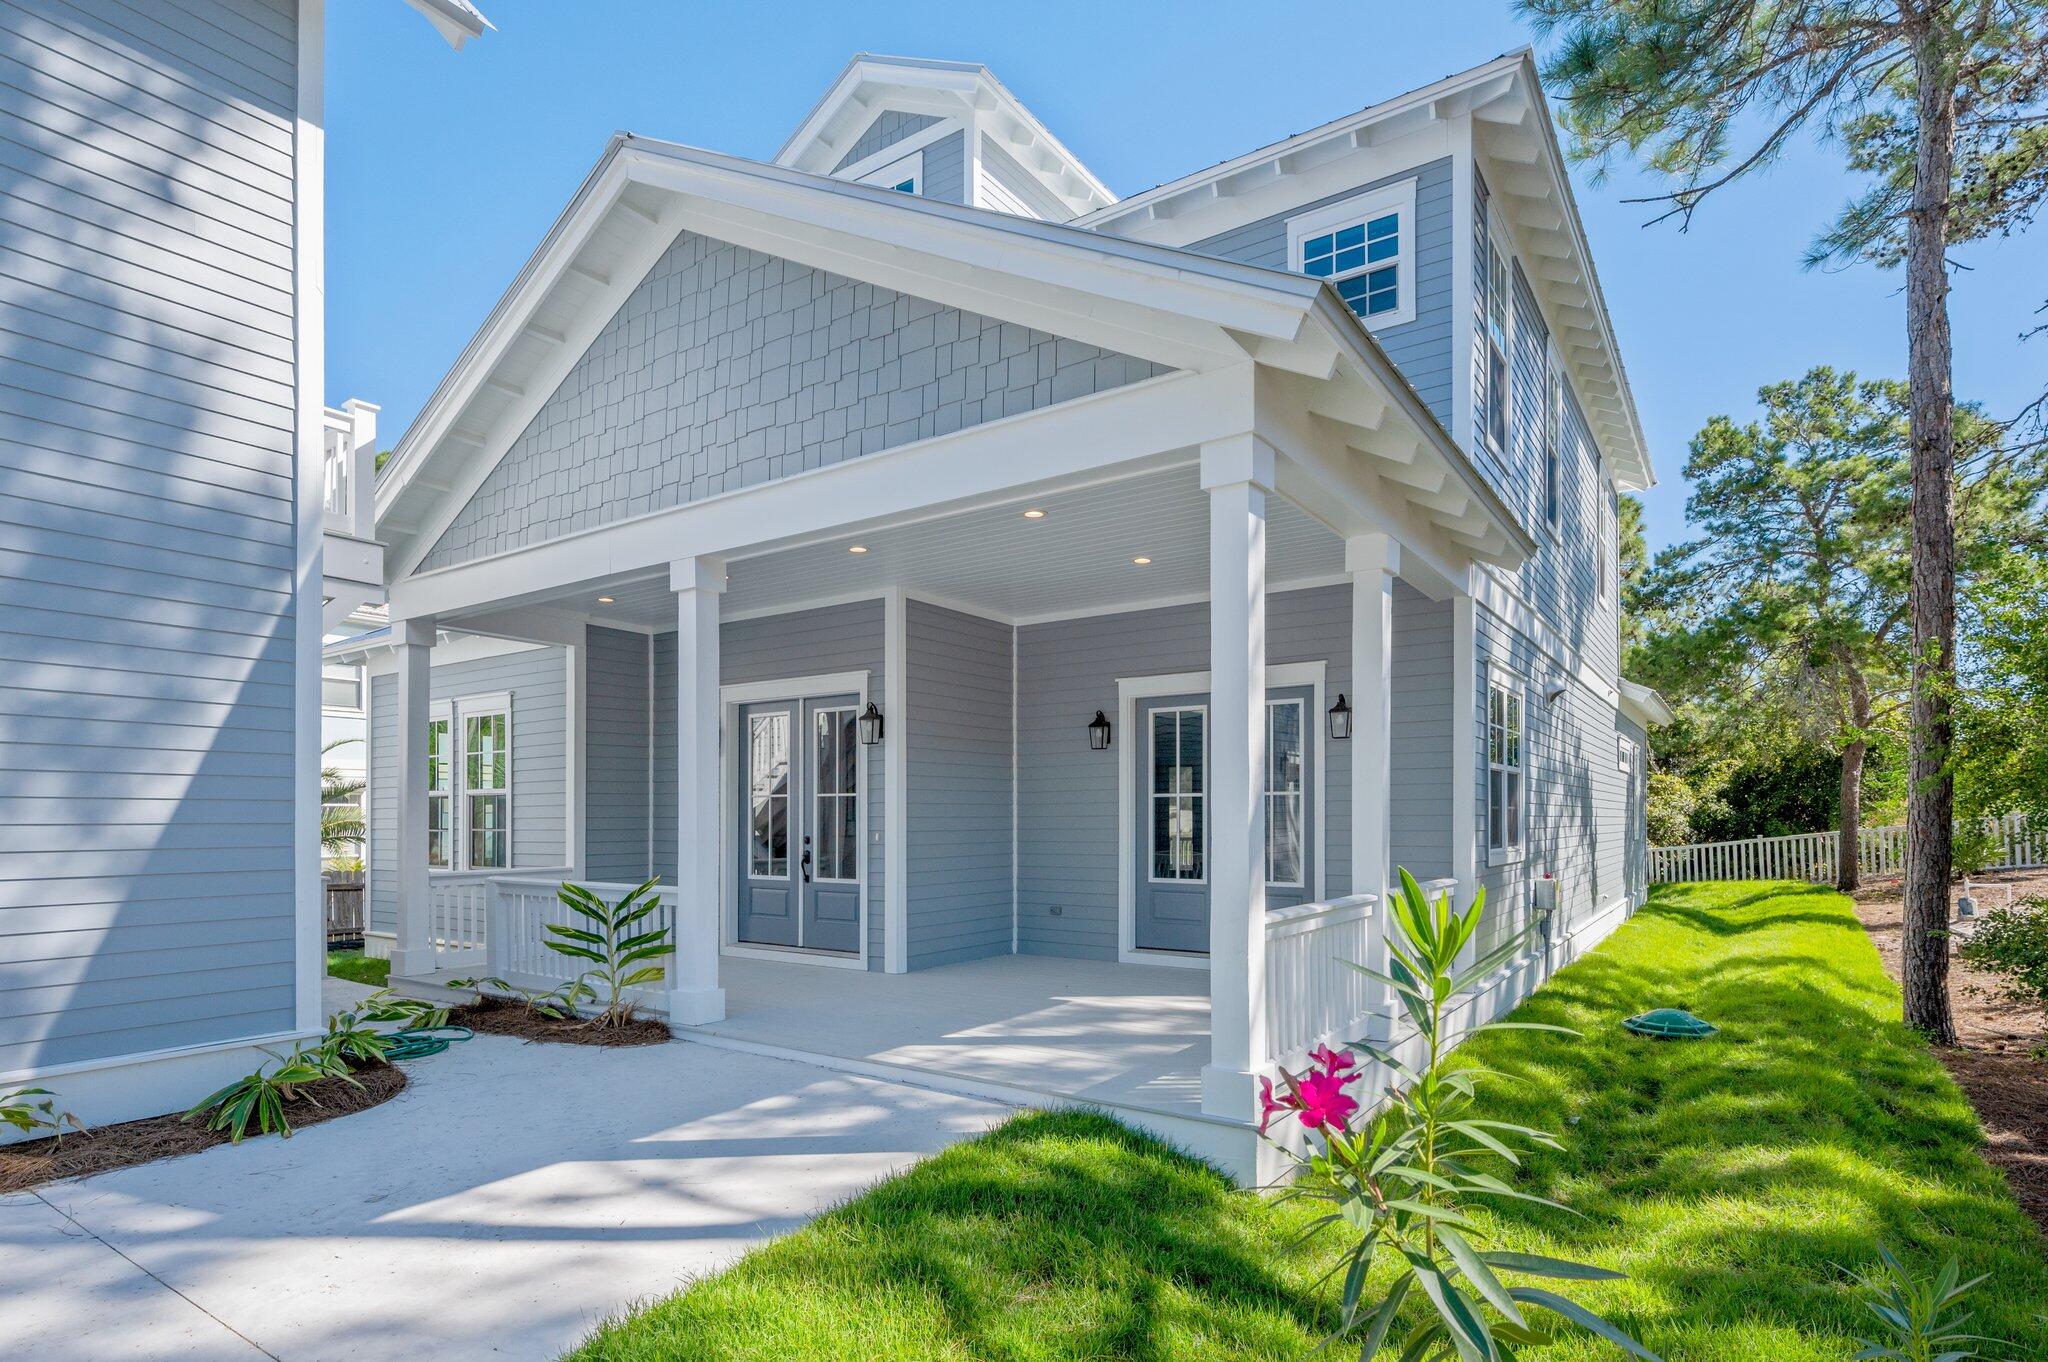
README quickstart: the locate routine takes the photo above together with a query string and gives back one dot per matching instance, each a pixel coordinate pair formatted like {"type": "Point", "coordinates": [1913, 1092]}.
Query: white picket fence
{"type": "Point", "coordinates": [1811, 856]}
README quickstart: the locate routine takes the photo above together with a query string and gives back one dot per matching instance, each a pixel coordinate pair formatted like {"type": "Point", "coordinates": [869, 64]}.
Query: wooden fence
{"type": "Point", "coordinates": [1811, 856]}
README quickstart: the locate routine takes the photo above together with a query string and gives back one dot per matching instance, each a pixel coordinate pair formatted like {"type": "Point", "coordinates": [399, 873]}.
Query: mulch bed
{"type": "Point", "coordinates": [509, 1017]}
{"type": "Point", "coordinates": [1993, 1060]}
{"type": "Point", "coordinates": [106, 1148]}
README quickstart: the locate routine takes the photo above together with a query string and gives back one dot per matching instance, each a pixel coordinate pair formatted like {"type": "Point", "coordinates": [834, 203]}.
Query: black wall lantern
{"type": "Point", "coordinates": [1340, 719]}
{"type": "Point", "coordinates": [1098, 732]}
{"type": "Point", "coordinates": [870, 725]}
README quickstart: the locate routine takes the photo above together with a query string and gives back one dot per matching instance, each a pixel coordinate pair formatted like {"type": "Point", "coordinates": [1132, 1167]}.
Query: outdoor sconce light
{"type": "Point", "coordinates": [870, 725]}
{"type": "Point", "coordinates": [1098, 732]}
{"type": "Point", "coordinates": [1340, 719]}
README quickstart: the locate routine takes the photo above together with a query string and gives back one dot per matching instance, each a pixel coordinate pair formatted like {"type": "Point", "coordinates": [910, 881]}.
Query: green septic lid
{"type": "Point", "coordinates": [1670, 1023]}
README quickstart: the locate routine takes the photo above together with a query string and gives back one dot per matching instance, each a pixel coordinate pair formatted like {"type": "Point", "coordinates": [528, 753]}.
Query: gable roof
{"type": "Point", "coordinates": [965, 91]}
{"type": "Point", "coordinates": [1176, 308]}
{"type": "Point", "coordinates": [1512, 125]}
{"type": "Point", "coordinates": [456, 20]}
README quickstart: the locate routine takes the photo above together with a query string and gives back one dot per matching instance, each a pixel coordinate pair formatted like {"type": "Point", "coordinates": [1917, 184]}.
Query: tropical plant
{"type": "Point", "coordinates": [1923, 1319]}
{"type": "Point", "coordinates": [2012, 941]}
{"type": "Point", "coordinates": [33, 1109]}
{"type": "Point", "coordinates": [352, 1036]}
{"type": "Point", "coordinates": [559, 1003]}
{"type": "Point", "coordinates": [341, 812]}
{"type": "Point", "coordinates": [1406, 1184]}
{"type": "Point", "coordinates": [259, 1098]}
{"type": "Point", "coordinates": [618, 951]}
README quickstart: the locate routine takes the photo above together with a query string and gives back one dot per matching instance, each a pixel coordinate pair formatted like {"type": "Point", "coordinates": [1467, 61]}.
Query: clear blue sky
{"type": "Point", "coordinates": [445, 168]}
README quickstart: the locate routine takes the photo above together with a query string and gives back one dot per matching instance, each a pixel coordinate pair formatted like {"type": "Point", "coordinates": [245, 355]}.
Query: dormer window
{"type": "Point", "coordinates": [905, 176]}
{"type": "Point", "coordinates": [1364, 245]}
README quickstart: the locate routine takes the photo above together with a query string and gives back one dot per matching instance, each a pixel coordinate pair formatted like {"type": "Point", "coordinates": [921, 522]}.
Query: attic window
{"type": "Point", "coordinates": [905, 176]}
{"type": "Point", "coordinates": [1364, 245]}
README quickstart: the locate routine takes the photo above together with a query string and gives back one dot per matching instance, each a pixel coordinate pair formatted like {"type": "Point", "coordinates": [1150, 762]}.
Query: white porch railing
{"type": "Point", "coordinates": [1812, 856]}
{"type": "Point", "coordinates": [348, 466]}
{"type": "Point", "coordinates": [1312, 994]}
{"type": "Point", "coordinates": [521, 908]}
{"type": "Point", "coordinates": [459, 914]}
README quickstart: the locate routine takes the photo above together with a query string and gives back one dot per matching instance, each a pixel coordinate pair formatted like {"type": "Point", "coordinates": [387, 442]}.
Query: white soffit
{"type": "Point", "coordinates": [963, 91]}
{"type": "Point", "coordinates": [1516, 141]}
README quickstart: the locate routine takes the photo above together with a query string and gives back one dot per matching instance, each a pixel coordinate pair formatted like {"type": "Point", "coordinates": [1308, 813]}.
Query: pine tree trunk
{"type": "Point", "coordinates": [1849, 823]}
{"type": "Point", "coordinates": [1930, 796]}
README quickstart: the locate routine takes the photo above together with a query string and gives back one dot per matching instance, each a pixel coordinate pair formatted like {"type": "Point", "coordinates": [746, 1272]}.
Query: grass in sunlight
{"type": "Point", "coordinates": [358, 968]}
{"type": "Point", "coordinates": [1732, 1179]}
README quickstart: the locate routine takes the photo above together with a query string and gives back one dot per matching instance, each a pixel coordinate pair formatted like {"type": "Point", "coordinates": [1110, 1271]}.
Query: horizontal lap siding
{"type": "Point", "coordinates": [147, 413]}
{"type": "Point", "coordinates": [959, 748]}
{"type": "Point", "coordinates": [1067, 794]}
{"type": "Point", "coordinates": [616, 752]}
{"type": "Point", "coordinates": [537, 680]}
{"type": "Point", "coordinates": [1420, 755]}
{"type": "Point", "coordinates": [945, 169]}
{"type": "Point", "coordinates": [839, 638]}
{"type": "Point", "coordinates": [1421, 348]}
{"type": "Point", "coordinates": [1027, 188]}
{"type": "Point", "coordinates": [727, 368]}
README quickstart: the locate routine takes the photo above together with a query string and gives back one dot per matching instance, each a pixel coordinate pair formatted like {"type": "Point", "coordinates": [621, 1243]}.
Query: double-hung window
{"type": "Point", "coordinates": [1364, 245]}
{"type": "Point", "coordinates": [1605, 548]}
{"type": "Point", "coordinates": [1505, 781]}
{"type": "Point", "coordinates": [1499, 328]}
{"type": "Point", "coordinates": [469, 784]}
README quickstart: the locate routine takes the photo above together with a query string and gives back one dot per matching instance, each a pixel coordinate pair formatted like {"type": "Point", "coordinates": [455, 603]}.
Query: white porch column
{"type": "Point", "coordinates": [1374, 561]}
{"type": "Point", "coordinates": [694, 995]}
{"type": "Point", "coordinates": [413, 644]}
{"type": "Point", "coordinates": [1465, 752]}
{"type": "Point", "coordinates": [1238, 475]}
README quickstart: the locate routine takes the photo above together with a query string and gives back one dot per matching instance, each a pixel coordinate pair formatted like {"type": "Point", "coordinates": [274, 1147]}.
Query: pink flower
{"type": "Point", "coordinates": [1332, 1062]}
{"type": "Point", "coordinates": [1323, 1102]}
{"type": "Point", "coordinates": [1268, 1106]}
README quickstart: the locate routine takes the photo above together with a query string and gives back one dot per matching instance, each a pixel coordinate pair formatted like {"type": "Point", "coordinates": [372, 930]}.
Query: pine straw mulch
{"type": "Point", "coordinates": [106, 1148]}
{"type": "Point", "coordinates": [496, 1016]}
{"type": "Point", "coordinates": [1992, 1060]}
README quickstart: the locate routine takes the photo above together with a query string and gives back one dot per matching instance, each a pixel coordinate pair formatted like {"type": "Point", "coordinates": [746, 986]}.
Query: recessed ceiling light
{"type": "Point", "coordinates": [1141, 560]}
{"type": "Point", "coordinates": [1034, 514]}
{"type": "Point", "coordinates": [856, 548]}
{"type": "Point", "coordinates": [604, 600]}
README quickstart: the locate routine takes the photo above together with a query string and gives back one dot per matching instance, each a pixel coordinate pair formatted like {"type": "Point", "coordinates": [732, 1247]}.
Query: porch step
{"type": "Point", "coordinates": [430, 988]}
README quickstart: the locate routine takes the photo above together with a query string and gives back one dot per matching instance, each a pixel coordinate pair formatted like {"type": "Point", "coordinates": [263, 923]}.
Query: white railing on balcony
{"type": "Point", "coordinates": [523, 906]}
{"type": "Point", "coordinates": [458, 918]}
{"type": "Point", "coordinates": [1313, 995]}
{"type": "Point", "coordinates": [349, 468]}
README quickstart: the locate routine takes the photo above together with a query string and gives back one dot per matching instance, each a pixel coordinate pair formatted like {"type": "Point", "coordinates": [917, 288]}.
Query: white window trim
{"type": "Point", "coordinates": [455, 711]}
{"type": "Point", "coordinates": [1300, 881]}
{"type": "Point", "coordinates": [859, 795]}
{"type": "Point", "coordinates": [1606, 565]}
{"type": "Point", "coordinates": [1499, 677]}
{"type": "Point", "coordinates": [1152, 797]}
{"type": "Point", "coordinates": [903, 168]}
{"type": "Point", "coordinates": [1399, 198]}
{"type": "Point", "coordinates": [1624, 752]}
{"type": "Point", "coordinates": [1553, 437]}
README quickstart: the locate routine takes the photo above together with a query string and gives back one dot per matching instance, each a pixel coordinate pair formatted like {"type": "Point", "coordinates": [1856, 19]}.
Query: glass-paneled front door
{"type": "Point", "coordinates": [800, 824]}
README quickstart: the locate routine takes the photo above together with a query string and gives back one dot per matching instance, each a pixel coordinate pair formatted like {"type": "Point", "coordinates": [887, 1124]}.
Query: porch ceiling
{"type": "Point", "coordinates": [1076, 559]}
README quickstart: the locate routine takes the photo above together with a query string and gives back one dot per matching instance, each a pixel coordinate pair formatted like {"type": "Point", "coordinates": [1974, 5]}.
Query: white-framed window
{"type": "Point", "coordinates": [1286, 763]}
{"type": "Point", "coordinates": [1605, 549]}
{"type": "Point", "coordinates": [1624, 752]}
{"type": "Point", "coordinates": [768, 795]}
{"type": "Point", "coordinates": [905, 176]}
{"type": "Point", "coordinates": [1498, 338]}
{"type": "Point", "coordinates": [1179, 799]}
{"type": "Point", "coordinates": [469, 784]}
{"type": "Point", "coordinates": [1506, 779]}
{"type": "Point", "coordinates": [835, 733]}
{"type": "Point", "coordinates": [1553, 441]}
{"type": "Point", "coordinates": [1365, 246]}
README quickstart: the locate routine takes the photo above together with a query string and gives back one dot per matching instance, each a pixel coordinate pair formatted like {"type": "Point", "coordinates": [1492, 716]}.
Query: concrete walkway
{"type": "Point", "coordinates": [508, 1200]}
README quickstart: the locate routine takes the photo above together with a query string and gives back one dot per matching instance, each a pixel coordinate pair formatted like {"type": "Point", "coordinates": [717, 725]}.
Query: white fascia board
{"type": "Point", "coordinates": [1424, 99]}
{"type": "Point", "coordinates": [456, 20]}
{"type": "Point", "coordinates": [1156, 418]}
{"type": "Point", "coordinates": [1645, 705]}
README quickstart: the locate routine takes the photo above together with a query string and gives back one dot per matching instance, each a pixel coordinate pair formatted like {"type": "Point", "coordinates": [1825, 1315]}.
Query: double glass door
{"type": "Point", "coordinates": [800, 825]}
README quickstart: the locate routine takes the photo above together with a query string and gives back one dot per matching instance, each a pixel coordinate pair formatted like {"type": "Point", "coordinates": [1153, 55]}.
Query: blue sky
{"type": "Point", "coordinates": [444, 169]}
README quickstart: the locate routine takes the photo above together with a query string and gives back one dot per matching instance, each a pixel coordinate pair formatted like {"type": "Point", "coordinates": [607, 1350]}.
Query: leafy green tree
{"type": "Point", "coordinates": [1938, 104]}
{"type": "Point", "coordinates": [2002, 763]}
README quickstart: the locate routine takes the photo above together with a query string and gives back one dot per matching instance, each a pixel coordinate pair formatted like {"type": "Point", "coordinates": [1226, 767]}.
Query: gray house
{"type": "Point", "coordinates": [167, 556]}
{"type": "Point", "coordinates": [1022, 629]}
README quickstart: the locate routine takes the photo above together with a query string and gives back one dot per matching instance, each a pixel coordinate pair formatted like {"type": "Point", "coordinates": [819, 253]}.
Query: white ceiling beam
{"type": "Point", "coordinates": [595, 276]}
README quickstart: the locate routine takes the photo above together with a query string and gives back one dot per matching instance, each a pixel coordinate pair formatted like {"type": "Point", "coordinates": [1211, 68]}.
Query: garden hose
{"type": "Point", "coordinates": [418, 1043]}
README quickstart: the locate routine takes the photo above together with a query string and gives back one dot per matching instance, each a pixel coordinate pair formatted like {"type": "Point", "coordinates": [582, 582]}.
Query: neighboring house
{"type": "Point", "coordinates": [161, 558]}
{"type": "Point", "coordinates": [926, 564]}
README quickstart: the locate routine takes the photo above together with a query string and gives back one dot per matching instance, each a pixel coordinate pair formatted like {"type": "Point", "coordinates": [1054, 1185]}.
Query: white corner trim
{"type": "Point", "coordinates": [1398, 198]}
{"type": "Point", "coordinates": [900, 149]}
{"type": "Point", "coordinates": [309, 371]}
{"type": "Point", "coordinates": [890, 174]}
{"type": "Point", "coordinates": [896, 799]}
{"type": "Point", "coordinates": [730, 700]}
{"type": "Point", "coordinates": [1129, 691]}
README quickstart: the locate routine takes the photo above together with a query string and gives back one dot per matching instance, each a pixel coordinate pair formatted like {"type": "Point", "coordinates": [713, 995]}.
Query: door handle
{"type": "Point", "coordinates": [807, 860]}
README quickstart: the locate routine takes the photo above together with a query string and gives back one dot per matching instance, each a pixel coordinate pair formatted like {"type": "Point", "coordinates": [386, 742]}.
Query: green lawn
{"type": "Point", "coordinates": [359, 968]}
{"type": "Point", "coordinates": [1731, 1179]}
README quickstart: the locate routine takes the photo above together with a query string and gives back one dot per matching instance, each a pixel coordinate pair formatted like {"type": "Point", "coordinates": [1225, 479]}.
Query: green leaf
{"type": "Point", "coordinates": [1536, 1265]}
{"type": "Point", "coordinates": [1584, 1318]}
{"type": "Point", "coordinates": [1467, 1329]}
{"type": "Point", "coordinates": [1383, 1318]}
{"type": "Point", "coordinates": [1473, 1264]}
